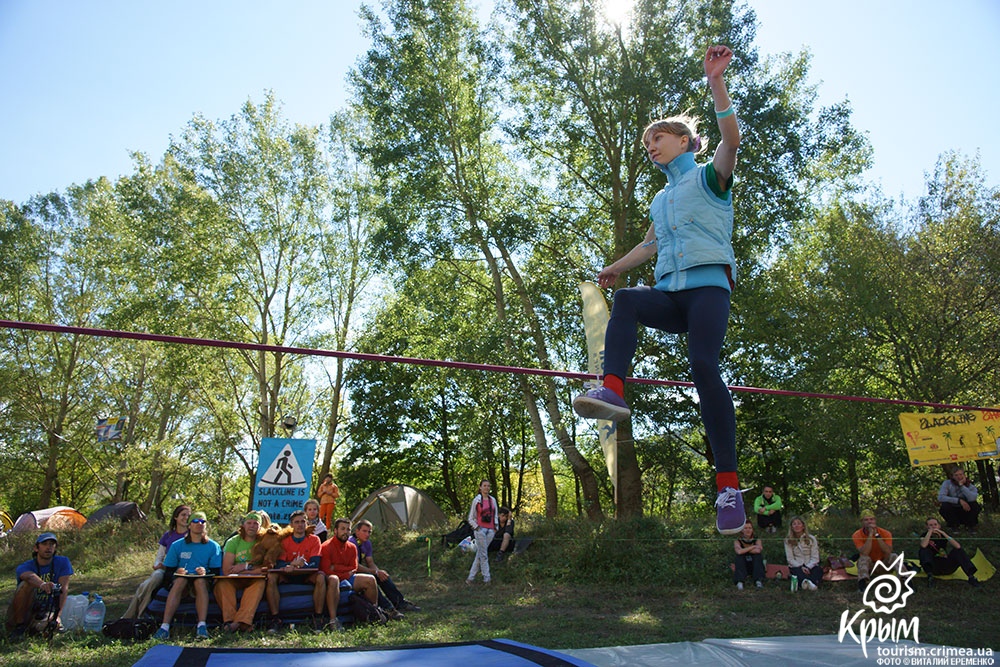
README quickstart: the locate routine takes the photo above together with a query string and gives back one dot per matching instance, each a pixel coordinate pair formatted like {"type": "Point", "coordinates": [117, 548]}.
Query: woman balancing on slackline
{"type": "Point", "coordinates": [691, 234]}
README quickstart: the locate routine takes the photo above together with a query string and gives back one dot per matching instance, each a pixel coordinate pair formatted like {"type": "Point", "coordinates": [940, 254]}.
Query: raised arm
{"type": "Point", "coordinates": [717, 59]}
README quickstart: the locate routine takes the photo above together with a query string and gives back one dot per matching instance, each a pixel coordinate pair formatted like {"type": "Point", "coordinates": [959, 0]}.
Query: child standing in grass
{"type": "Point", "coordinates": [328, 493]}
{"type": "Point", "coordinates": [691, 234]}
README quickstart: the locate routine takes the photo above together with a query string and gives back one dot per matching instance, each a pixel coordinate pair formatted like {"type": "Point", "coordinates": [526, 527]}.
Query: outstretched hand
{"type": "Point", "coordinates": [607, 277]}
{"type": "Point", "coordinates": [717, 59]}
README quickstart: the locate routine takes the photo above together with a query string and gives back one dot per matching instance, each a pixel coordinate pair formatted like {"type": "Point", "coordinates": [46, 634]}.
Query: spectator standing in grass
{"type": "Point", "coordinates": [483, 519]}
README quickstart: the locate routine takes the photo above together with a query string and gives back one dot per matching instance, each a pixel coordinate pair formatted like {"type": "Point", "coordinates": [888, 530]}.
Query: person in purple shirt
{"type": "Point", "coordinates": [389, 597]}
{"type": "Point", "coordinates": [177, 530]}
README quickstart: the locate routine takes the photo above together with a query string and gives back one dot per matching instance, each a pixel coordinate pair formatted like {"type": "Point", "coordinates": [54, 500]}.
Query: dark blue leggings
{"type": "Point", "coordinates": [703, 313]}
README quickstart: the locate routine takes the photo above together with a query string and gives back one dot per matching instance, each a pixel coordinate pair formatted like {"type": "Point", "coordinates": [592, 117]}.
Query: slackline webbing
{"type": "Point", "coordinates": [464, 365]}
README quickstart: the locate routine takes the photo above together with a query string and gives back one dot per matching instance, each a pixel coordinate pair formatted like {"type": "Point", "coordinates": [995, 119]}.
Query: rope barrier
{"type": "Point", "coordinates": [463, 365]}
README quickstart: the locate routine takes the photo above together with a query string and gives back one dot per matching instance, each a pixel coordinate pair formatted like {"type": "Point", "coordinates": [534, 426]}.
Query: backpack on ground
{"type": "Point", "coordinates": [364, 611]}
{"type": "Point", "coordinates": [130, 628]}
{"type": "Point", "coordinates": [463, 531]}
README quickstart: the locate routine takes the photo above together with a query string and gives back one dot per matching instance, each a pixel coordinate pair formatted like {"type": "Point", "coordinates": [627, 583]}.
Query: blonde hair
{"type": "Point", "coordinates": [684, 125]}
{"type": "Point", "coordinates": [791, 539]}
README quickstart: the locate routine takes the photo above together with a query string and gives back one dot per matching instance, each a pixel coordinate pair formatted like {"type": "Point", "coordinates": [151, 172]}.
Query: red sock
{"type": "Point", "coordinates": [615, 384]}
{"type": "Point", "coordinates": [724, 479]}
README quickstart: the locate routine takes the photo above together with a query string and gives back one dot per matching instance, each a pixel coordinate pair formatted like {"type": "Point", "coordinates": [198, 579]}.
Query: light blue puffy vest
{"type": "Point", "coordinates": [693, 226]}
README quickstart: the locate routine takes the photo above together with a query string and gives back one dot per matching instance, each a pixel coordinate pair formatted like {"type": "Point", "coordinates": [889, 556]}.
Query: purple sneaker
{"type": "Point", "coordinates": [602, 403]}
{"type": "Point", "coordinates": [729, 513]}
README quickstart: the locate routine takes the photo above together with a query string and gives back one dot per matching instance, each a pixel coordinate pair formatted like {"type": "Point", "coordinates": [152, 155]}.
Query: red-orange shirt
{"type": "Point", "coordinates": [308, 548]}
{"type": "Point", "coordinates": [860, 537]}
{"type": "Point", "coordinates": [339, 558]}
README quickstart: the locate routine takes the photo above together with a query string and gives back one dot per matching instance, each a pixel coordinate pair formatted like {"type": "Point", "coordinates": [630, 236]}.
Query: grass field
{"type": "Point", "coordinates": [580, 585]}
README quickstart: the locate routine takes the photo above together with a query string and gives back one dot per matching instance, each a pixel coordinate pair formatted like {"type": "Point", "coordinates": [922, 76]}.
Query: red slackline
{"type": "Point", "coordinates": [491, 368]}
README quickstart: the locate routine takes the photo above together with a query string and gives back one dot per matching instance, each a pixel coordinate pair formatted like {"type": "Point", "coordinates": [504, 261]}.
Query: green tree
{"type": "Point", "coordinates": [50, 402]}
{"type": "Point", "coordinates": [922, 323]}
{"type": "Point", "coordinates": [268, 186]}
{"type": "Point", "coordinates": [429, 87]}
{"type": "Point", "coordinates": [583, 90]}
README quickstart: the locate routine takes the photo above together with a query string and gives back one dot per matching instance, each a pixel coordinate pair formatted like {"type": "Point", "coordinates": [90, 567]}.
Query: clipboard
{"type": "Point", "coordinates": [242, 576]}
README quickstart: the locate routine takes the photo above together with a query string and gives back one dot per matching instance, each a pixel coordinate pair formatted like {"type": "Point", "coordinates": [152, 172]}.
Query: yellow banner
{"type": "Point", "coordinates": [595, 323]}
{"type": "Point", "coordinates": [936, 438]}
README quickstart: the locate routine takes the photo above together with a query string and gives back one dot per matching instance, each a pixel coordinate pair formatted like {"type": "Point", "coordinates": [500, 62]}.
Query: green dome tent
{"type": "Point", "coordinates": [399, 503]}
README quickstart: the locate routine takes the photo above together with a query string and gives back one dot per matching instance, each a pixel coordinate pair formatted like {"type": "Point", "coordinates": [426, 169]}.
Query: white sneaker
{"type": "Point", "coordinates": [808, 585]}
{"type": "Point", "coordinates": [739, 586]}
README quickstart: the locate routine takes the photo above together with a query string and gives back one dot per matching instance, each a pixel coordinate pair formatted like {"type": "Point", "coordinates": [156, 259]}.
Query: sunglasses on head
{"type": "Point", "coordinates": [197, 521]}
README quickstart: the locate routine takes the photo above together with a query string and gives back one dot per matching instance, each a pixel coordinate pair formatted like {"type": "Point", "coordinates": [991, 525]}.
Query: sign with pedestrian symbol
{"type": "Point", "coordinates": [284, 476]}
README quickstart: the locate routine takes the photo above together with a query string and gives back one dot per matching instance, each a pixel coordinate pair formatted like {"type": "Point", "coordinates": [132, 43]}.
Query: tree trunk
{"type": "Point", "coordinates": [629, 491]}
{"type": "Point", "coordinates": [852, 476]}
{"type": "Point", "coordinates": [50, 484]}
{"type": "Point", "coordinates": [581, 466]}
{"type": "Point", "coordinates": [542, 447]}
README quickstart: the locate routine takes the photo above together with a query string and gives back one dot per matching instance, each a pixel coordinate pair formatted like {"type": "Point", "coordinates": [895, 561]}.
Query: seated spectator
{"type": "Point", "coordinates": [749, 557]}
{"type": "Point", "coordinates": [328, 493]}
{"type": "Point", "coordinates": [312, 519]}
{"type": "Point", "coordinates": [936, 559]}
{"type": "Point", "coordinates": [147, 589]}
{"type": "Point", "coordinates": [767, 506]}
{"type": "Point", "coordinates": [503, 539]}
{"type": "Point", "coordinates": [299, 550]}
{"type": "Point", "coordinates": [339, 561]}
{"type": "Point", "coordinates": [236, 561]}
{"type": "Point", "coordinates": [874, 545]}
{"type": "Point", "coordinates": [958, 497]}
{"type": "Point", "coordinates": [36, 582]}
{"type": "Point", "coordinates": [194, 554]}
{"type": "Point", "coordinates": [392, 601]}
{"type": "Point", "coordinates": [802, 554]}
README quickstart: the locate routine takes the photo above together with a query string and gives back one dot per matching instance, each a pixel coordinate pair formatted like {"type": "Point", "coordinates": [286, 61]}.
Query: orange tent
{"type": "Point", "coordinates": [53, 518]}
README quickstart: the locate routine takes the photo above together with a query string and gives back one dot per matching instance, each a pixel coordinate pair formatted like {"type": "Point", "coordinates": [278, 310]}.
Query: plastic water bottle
{"type": "Point", "coordinates": [93, 620]}
{"type": "Point", "coordinates": [795, 583]}
{"type": "Point", "coordinates": [74, 611]}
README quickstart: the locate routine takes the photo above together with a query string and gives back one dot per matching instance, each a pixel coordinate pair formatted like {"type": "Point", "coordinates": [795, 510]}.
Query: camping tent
{"type": "Point", "coordinates": [123, 511]}
{"type": "Point", "coordinates": [399, 503]}
{"type": "Point", "coordinates": [53, 518]}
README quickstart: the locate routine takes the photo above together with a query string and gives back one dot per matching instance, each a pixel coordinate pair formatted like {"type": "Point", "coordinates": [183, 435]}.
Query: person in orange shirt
{"type": "Point", "coordinates": [299, 552]}
{"type": "Point", "coordinates": [328, 493]}
{"type": "Point", "coordinates": [874, 545]}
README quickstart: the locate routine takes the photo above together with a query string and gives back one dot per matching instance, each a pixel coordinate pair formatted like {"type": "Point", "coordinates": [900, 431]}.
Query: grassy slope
{"type": "Point", "coordinates": [578, 586]}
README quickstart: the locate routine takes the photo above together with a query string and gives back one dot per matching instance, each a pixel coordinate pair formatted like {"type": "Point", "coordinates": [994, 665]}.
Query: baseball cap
{"type": "Point", "coordinates": [45, 537]}
{"type": "Point", "coordinates": [198, 515]}
{"type": "Point", "coordinates": [867, 513]}
{"type": "Point", "coordinates": [252, 516]}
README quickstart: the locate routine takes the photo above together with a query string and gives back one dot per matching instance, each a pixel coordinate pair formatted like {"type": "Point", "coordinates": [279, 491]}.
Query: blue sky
{"type": "Point", "coordinates": [83, 84]}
